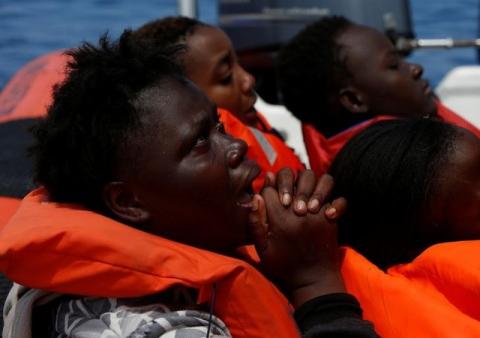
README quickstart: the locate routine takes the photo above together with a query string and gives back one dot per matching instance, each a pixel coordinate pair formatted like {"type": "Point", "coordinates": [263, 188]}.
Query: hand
{"type": "Point", "coordinates": [300, 252]}
{"type": "Point", "coordinates": [307, 194]}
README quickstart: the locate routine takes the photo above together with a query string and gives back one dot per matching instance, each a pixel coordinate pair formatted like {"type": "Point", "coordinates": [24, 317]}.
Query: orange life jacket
{"type": "Point", "coordinates": [64, 248]}
{"type": "Point", "coordinates": [321, 150]}
{"type": "Point", "coordinates": [67, 249]}
{"type": "Point", "coordinates": [436, 295]}
{"type": "Point", "coordinates": [270, 152]}
{"type": "Point", "coordinates": [8, 206]}
{"type": "Point", "coordinates": [29, 92]}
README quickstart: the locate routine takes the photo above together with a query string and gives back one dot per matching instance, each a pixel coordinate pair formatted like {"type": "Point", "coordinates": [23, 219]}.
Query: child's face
{"type": "Point", "coordinates": [211, 63]}
{"type": "Point", "coordinates": [191, 177]}
{"type": "Point", "coordinates": [387, 83]}
{"type": "Point", "coordinates": [455, 209]}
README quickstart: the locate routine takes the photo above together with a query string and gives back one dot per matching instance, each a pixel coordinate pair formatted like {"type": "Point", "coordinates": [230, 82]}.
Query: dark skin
{"type": "Point", "coordinates": [454, 213]}
{"type": "Point", "coordinates": [382, 82]}
{"type": "Point", "coordinates": [181, 160]}
{"type": "Point", "coordinates": [211, 63]}
{"type": "Point", "coordinates": [180, 142]}
{"type": "Point", "coordinates": [299, 248]}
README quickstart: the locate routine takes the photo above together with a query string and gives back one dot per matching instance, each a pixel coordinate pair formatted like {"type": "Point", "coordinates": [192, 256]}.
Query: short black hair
{"type": "Point", "coordinates": [93, 113]}
{"type": "Point", "coordinates": [388, 174]}
{"type": "Point", "coordinates": [311, 67]}
{"type": "Point", "coordinates": [167, 32]}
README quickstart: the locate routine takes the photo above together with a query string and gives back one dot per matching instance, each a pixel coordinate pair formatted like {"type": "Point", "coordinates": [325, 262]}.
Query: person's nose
{"type": "Point", "coordinates": [416, 70]}
{"type": "Point", "coordinates": [237, 149]}
{"type": "Point", "coordinates": [247, 83]}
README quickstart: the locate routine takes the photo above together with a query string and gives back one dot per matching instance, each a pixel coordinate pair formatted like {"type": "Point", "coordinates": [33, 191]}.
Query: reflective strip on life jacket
{"type": "Point", "coordinates": [68, 249]}
{"type": "Point", "coordinates": [267, 149]}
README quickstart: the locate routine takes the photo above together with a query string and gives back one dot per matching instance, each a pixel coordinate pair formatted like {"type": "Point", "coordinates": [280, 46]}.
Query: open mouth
{"type": "Point", "coordinates": [245, 200]}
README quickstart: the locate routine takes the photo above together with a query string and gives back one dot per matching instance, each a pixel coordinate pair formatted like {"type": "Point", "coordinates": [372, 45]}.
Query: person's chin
{"type": "Point", "coordinates": [250, 117]}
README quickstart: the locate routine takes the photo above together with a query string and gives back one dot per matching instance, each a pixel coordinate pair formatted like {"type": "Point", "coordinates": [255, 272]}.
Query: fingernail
{"type": "Point", "coordinates": [330, 212]}
{"type": "Point", "coordinates": [286, 199]}
{"type": "Point", "coordinates": [301, 205]}
{"type": "Point", "coordinates": [313, 204]}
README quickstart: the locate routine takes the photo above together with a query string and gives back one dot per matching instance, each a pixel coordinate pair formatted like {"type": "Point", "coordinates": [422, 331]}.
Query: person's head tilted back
{"type": "Point", "coordinates": [335, 74]}
{"type": "Point", "coordinates": [409, 183]}
{"type": "Point", "coordinates": [209, 60]}
{"type": "Point", "coordinates": [127, 135]}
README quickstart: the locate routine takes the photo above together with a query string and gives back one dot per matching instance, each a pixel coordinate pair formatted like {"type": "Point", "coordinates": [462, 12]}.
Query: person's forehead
{"type": "Point", "coordinates": [174, 105]}
{"type": "Point", "coordinates": [466, 155]}
{"type": "Point", "coordinates": [459, 172]}
{"type": "Point", "coordinates": [212, 37]}
{"type": "Point", "coordinates": [460, 184]}
{"type": "Point", "coordinates": [364, 42]}
{"type": "Point", "coordinates": [206, 45]}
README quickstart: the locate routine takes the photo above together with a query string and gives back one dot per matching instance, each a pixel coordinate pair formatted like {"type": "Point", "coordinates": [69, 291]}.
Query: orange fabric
{"type": "Point", "coordinates": [67, 249]}
{"type": "Point", "coordinates": [267, 149]}
{"type": "Point", "coordinates": [318, 149]}
{"type": "Point", "coordinates": [8, 206]}
{"type": "Point", "coordinates": [321, 151]}
{"type": "Point", "coordinates": [436, 295]}
{"type": "Point", "coordinates": [29, 92]}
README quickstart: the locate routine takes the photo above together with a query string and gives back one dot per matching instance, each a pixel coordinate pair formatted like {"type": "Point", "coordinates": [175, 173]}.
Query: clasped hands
{"type": "Point", "coordinates": [294, 227]}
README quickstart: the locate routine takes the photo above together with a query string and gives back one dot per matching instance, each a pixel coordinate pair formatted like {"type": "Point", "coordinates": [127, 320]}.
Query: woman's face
{"type": "Point", "coordinates": [388, 84]}
{"type": "Point", "coordinates": [211, 63]}
{"type": "Point", "coordinates": [456, 208]}
{"type": "Point", "coordinates": [192, 178]}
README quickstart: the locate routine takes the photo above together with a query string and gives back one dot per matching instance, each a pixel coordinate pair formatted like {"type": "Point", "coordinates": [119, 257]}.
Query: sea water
{"type": "Point", "coordinates": [29, 28]}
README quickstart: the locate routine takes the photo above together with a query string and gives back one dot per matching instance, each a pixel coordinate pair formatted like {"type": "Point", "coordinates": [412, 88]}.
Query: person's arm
{"type": "Point", "coordinates": [101, 317]}
{"type": "Point", "coordinates": [297, 244]}
{"type": "Point", "coordinates": [336, 314]}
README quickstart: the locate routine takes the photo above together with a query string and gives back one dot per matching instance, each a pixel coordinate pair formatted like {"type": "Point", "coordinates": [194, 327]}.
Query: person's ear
{"type": "Point", "coordinates": [124, 204]}
{"type": "Point", "coordinates": [353, 100]}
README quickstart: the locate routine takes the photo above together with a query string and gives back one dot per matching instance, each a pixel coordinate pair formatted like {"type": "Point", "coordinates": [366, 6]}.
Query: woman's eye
{"type": "Point", "coordinates": [393, 65]}
{"type": "Point", "coordinates": [227, 80]}
{"type": "Point", "coordinates": [202, 139]}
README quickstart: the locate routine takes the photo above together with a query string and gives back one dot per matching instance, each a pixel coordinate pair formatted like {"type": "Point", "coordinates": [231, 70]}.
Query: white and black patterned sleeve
{"type": "Point", "coordinates": [105, 317]}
